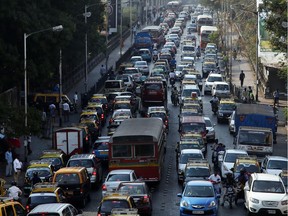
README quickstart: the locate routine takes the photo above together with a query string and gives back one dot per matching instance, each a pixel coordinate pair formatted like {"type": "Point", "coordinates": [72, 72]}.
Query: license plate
{"type": "Point", "coordinates": [152, 93]}
{"type": "Point", "coordinates": [197, 212]}
{"type": "Point", "coordinates": [103, 153]}
{"type": "Point", "coordinates": [271, 211]}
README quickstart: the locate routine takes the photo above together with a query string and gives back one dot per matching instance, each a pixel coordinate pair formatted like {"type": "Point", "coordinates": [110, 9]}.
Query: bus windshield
{"type": "Point", "coordinates": [259, 138]}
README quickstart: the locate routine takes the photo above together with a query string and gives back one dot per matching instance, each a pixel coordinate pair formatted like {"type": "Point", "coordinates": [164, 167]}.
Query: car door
{"type": "Point", "coordinates": [246, 192]}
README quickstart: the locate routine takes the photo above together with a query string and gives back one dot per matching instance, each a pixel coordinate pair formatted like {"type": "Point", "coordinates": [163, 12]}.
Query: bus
{"type": "Point", "coordinates": [139, 144]}
{"type": "Point", "coordinates": [156, 33]}
{"type": "Point", "coordinates": [205, 31]}
{"type": "Point", "coordinates": [204, 20]}
{"type": "Point", "coordinates": [174, 5]}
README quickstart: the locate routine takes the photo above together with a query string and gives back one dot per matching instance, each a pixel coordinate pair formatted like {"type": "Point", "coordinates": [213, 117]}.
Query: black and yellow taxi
{"type": "Point", "coordinates": [98, 107]}
{"type": "Point", "coordinates": [191, 105]}
{"type": "Point", "coordinates": [93, 130]}
{"type": "Point", "coordinates": [115, 200]}
{"type": "Point", "coordinates": [43, 193]}
{"type": "Point", "coordinates": [101, 99]}
{"type": "Point", "coordinates": [9, 207]}
{"type": "Point", "coordinates": [159, 112]}
{"type": "Point", "coordinates": [198, 137]}
{"type": "Point", "coordinates": [90, 115]}
{"type": "Point", "coordinates": [87, 138]}
{"type": "Point", "coordinates": [56, 158]}
{"type": "Point", "coordinates": [249, 163]}
{"type": "Point", "coordinates": [75, 182]}
{"type": "Point", "coordinates": [128, 212]}
{"type": "Point", "coordinates": [225, 109]}
{"type": "Point", "coordinates": [186, 144]}
{"type": "Point", "coordinates": [44, 171]}
{"type": "Point", "coordinates": [196, 170]}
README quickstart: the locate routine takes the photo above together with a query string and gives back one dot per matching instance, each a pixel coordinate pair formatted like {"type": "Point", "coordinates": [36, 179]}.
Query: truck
{"type": "Point", "coordinates": [71, 140]}
{"type": "Point", "coordinates": [256, 127]}
{"type": "Point", "coordinates": [143, 40]}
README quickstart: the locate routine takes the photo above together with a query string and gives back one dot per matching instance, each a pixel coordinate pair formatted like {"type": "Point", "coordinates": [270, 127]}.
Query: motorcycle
{"type": "Point", "coordinates": [175, 99]}
{"type": "Point", "coordinates": [240, 192]}
{"type": "Point", "coordinates": [229, 196]}
{"type": "Point", "coordinates": [217, 158]}
{"type": "Point", "coordinates": [198, 54]}
{"type": "Point", "coordinates": [172, 81]}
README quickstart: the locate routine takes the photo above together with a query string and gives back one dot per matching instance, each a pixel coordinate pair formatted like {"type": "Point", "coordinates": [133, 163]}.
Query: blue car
{"type": "Point", "coordinates": [101, 149]}
{"type": "Point", "coordinates": [199, 198]}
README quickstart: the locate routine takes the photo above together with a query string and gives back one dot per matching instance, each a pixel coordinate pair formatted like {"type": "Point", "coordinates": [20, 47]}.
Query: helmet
{"type": "Point", "coordinates": [229, 175]}
{"type": "Point", "coordinates": [242, 171]}
{"type": "Point", "coordinates": [13, 183]}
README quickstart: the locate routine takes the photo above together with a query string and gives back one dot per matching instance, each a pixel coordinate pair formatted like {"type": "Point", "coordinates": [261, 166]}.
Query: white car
{"type": "Point", "coordinates": [274, 164]}
{"type": "Point", "coordinates": [120, 115]}
{"type": "Point", "coordinates": [133, 59]}
{"type": "Point", "coordinates": [212, 77]}
{"type": "Point", "coordinates": [210, 136]}
{"type": "Point", "coordinates": [142, 67]}
{"type": "Point", "coordinates": [114, 178]}
{"type": "Point", "coordinates": [60, 209]}
{"type": "Point", "coordinates": [265, 194]}
{"type": "Point", "coordinates": [221, 89]}
{"type": "Point", "coordinates": [229, 159]}
{"type": "Point", "coordinates": [183, 159]}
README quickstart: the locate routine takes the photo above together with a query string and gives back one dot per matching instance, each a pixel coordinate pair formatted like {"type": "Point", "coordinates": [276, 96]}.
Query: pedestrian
{"type": "Point", "coordinates": [75, 100]}
{"type": "Point", "coordinates": [242, 77]}
{"type": "Point", "coordinates": [244, 95]}
{"type": "Point", "coordinates": [9, 161]}
{"type": "Point", "coordinates": [102, 70]}
{"type": "Point", "coordinates": [43, 122]}
{"type": "Point", "coordinates": [29, 139]}
{"type": "Point", "coordinates": [14, 192]}
{"type": "Point", "coordinates": [66, 111]}
{"type": "Point", "coordinates": [276, 97]}
{"type": "Point", "coordinates": [52, 109]}
{"type": "Point", "coordinates": [250, 95]}
{"type": "Point", "coordinates": [17, 164]}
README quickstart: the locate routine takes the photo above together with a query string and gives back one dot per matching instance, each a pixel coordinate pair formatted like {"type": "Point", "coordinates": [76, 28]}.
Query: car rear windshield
{"type": "Point", "coordinates": [67, 178]}
{"type": "Point", "coordinates": [184, 157]}
{"type": "Point", "coordinates": [132, 189]}
{"type": "Point", "coordinates": [44, 214]}
{"type": "Point", "coordinates": [80, 163]}
{"type": "Point", "coordinates": [112, 85]}
{"type": "Point", "coordinates": [153, 86]}
{"type": "Point", "coordinates": [108, 205]}
{"type": "Point", "coordinates": [197, 172]}
{"type": "Point", "coordinates": [231, 157]}
{"type": "Point", "coordinates": [277, 164]}
{"type": "Point", "coordinates": [42, 199]}
{"type": "Point", "coordinates": [118, 177]}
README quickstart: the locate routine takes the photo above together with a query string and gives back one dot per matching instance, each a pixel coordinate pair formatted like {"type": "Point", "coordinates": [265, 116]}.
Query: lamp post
{"type": "Point", "coordinates": [55, 28]}
{"type": "Point", "coordinates": [121, 36]}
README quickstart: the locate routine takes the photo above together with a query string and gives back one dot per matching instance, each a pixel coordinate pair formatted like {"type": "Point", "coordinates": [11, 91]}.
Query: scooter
{"type": "Point", "coordinates": [229, 196]}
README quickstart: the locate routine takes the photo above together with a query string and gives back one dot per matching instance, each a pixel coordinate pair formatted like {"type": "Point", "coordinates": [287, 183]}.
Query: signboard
{"type": "Point", "coordinates": [112, 14]}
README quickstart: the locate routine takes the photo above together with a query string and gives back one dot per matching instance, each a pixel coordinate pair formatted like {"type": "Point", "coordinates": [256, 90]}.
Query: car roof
{"type": "Point", "coordinates": [266, 177]}
{"type": "Point", "coordinates": [270, 157]}
{"type": "Point", "coordinates": [215, 75]}
{"type": "Point", "coordinates": [235, 151]}
{"type": "Point", "coordinates": [187, 151]}
{"type": "Point", "coordinates": [82, 156]}
{"type": "Point", "coordinates": [220, 83]}
{"type": "Point", "coordinates": [199, 183]}
{"type": "Point", "coordinates": [121, 171]}
{"type": "Point", "coordinates": [50, 207]}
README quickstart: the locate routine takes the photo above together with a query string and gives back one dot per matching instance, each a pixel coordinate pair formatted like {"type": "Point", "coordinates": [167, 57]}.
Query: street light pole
{"type": "Point", "coordinates": [86, 47]}
{"type": "Point", "coordinates": [130, 15]}
{"type": "Point", "coordinates": [55, 28]}
{"type": "Point", "coordinates": [121, 36]}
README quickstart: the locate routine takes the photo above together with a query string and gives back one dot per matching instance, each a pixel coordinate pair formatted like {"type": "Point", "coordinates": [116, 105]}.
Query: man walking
{"type": "Point", "coordinates": [17, 164]}
{"type": "Point", "coordinates": [242, 77]}
{"type": "Point", "coordinates": [276, 97]}
{"type": "Point", "coordinates": [66, 111]}
{"type": "Point", "coordinates": [9, 161]}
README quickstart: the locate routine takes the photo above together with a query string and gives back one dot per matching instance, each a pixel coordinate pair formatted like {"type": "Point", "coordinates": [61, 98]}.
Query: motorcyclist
{"type": "Point", "coordinates": [14, 192]}
{"type": "Point", "coordinates": [173, 63]}
{"type": "Point", "coordinates": [216, 180]}
{"type": "Point", "coordinates": [198, 52]}
{"type": "Point", "coordinates": [36, 179]}
{"type": "Point", "coordinates": [155, 54]}
{"type": "Point", "coordinates": [214, 102]}
{"type": "Point", "coordinates": [241, 181]}
{"type": "Point", "coordinates": [174, 94]}
{"type": "Point", "coordinates": [230, 182]}
{"type": "Point", "coordinates": [220, 147]}
{"type": "Point", "coordinates": [172, 77]}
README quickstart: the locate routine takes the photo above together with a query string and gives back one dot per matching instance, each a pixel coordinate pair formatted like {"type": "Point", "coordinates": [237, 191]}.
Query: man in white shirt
{"type": "Point", "coordinates": [17, 164]}
{"type": "Point", "coordinates": [14, 192]}
{"type": "Point", "coordinates": [66, 111]}
{"type": "Point", "coordinates": [216, 180]}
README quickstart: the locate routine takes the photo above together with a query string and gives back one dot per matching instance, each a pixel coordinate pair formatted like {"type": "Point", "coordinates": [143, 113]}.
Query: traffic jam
{"type": "Point", "coordinates": [174, 84]}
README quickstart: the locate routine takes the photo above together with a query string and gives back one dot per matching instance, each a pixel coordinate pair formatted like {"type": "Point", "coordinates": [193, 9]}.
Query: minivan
{"type": "Point", "coordinates": [221, 89]}
{"type": "Point", "coordinates": [114, 86]}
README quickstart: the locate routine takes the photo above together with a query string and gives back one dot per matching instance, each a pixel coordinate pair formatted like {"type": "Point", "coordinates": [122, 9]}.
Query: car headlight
{"type": "Point", "coordinates": [183, 204]}
{"type": "Point", "coordinates": [284, 202]}
{"type": "Point", "coordinates": [253, 200]}
{"type": "Point", "coordinates": [212, 204]}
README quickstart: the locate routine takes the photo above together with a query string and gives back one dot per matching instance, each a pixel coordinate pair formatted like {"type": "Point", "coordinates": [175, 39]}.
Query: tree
{"type": "Point", "coordinates": [276, 22]}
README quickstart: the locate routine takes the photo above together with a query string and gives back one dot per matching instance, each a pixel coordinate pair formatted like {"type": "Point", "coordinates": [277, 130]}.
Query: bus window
{"type": "Point", "coordinates": [144, 150]}
{"type": "Point", "coordinates": [121, 151]}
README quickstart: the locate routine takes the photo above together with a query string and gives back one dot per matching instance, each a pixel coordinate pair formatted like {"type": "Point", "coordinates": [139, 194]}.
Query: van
{"type": "Point", "coordinates": [43, 100]}
{"type": "Point", "coordinates": [114, 86]}
{"type": "Point", "coordinates": [221, 89]}
{"type": "Point", "coordinates": [153, 91]}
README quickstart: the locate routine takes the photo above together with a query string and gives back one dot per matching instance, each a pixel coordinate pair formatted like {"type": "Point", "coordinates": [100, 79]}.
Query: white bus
{"type": "Point", "coordinates": [204, 20]}
{"type": "Point", "coordinates": [204, 35]}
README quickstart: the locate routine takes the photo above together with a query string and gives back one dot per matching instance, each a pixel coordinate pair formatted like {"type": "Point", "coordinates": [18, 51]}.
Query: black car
{"type": "Point", "coordinates": [224, 111]}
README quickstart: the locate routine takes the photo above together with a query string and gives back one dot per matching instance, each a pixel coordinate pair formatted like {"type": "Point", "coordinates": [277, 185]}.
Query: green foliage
{"type": "Point", "coordinates": [276, 17]}
{"type": "Point", "coordinates": [19, 17]}
{"type": "Point", "coordinates": [14, 121]}
{"type": "Point", "coordinates": [215, 38]}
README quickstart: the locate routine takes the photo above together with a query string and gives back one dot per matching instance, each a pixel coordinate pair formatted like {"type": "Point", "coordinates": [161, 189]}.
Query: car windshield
{"type": "Point", "coordinates": [189, 146]}
{"type": "Point", "coordinates": [108, 205]}
{"type": "Point", "coordinates": [197, 172]}
{"type": "Point", "coordinates": [80, 163]}
{"type": "Point", "coordinates": [118, 177]}
{"type": "Point", "coordinates": [277, 164]}
{"type": "Point", "coordinates": [199, 191]}
{"type": "Point", "coordinates": [192, 127]}
{"type": "Point", "coordinates": [42, 172]}
{"type": "Point", "coordinates": [41, 199]}
{"type": "Point", "coordinates": [52, 161]}
{"type": "Point", "coordinates": [231, 157]}
{"type": "Point", "coordinates": [259, 138]}
{"type": "Point", "coordinates": [210, 66]}
{"type": "Point", "coordinates": [227, 107]}
{"type": "Point", "coordinates": [214, 79]}
{"type": "Point", "coordinates": [268, 187]}
{"type": "Point", "coordinates": [184, 157]}
{"type": "Point", "coordinates": [158, 115]}
{"type": "Point", "coordinates": [222, 87]}
{"type": "Point", "coordinates": [122, 106]}
{"type": "Point", "coordinates": [188, 92]}
{"type": "Point", "coordinates": [67, 178]}
{"type": "Point", "coordinates": [103, 146]}
{"type": "Point", "coordinates": [132, 189]}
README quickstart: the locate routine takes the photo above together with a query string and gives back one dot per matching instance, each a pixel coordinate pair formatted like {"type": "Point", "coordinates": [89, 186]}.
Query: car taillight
{"type": "Point", "coordinates": [145, 199]}
{"type": "Point", "coordinates": [102, 116]}
{"type": "Point", "coordinates": [94, 173]}
{"type": "Point", "coordinates": [27, 208]}
{"type": "Point", "coordinates": [81, 190]}
{"type": "Point", "coordinates": [104, 188]}
{"type": "Point", "coordinates": [98, 214]}
{"type": "Point", "coordinates": [86, 138]}
{"type": "Point", "coordinates": [166, 122]}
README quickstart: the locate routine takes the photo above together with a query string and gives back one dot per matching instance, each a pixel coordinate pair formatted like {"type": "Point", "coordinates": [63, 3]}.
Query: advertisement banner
{"type": "Point", "coordinates": [112, 14]}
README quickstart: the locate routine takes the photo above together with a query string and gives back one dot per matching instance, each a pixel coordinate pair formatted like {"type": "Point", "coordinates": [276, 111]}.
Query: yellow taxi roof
{"type": "Point", "coordinates": [51, 156]}
{"type": "Point", "coordinates": [88, 112]}
{"type": "Point", "coordinates": [246, 160]}
{"type": "Point", "coordinates": [198, 162]}
{"type": "Point", "coordinates": [94, 104]}
{"type": "Point", "coordinates": [44, 165]}
{"type": "Point", "coordinates": [189, 141]}
{"type": "Point", "coordinates": [226, 101]}
{"type": "Point", "coordinates": [44, 187]}
{"type": "Point", "coordinates": [69, 169]}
